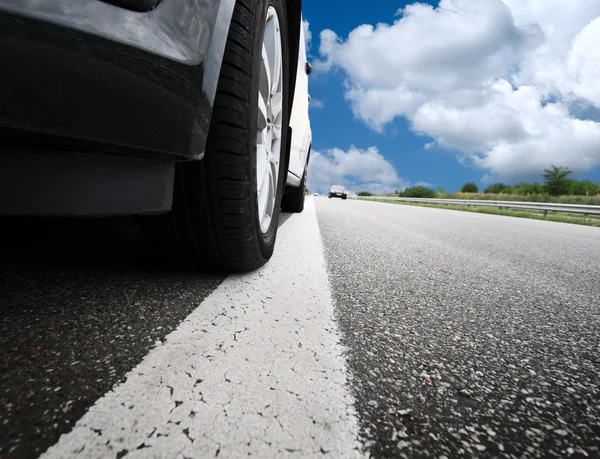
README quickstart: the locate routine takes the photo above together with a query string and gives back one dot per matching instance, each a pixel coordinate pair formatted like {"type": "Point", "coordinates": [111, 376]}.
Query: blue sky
{"type": "Point", "coordinates": [510, 150]}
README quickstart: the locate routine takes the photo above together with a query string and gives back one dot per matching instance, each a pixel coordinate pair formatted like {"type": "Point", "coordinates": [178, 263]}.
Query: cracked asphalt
{"type": "Point", "coordinates": [82, 303]}
{"type": "Point", "coordinates": [256, 370]}
{"type": "Point", "coordinates": [467, 335]}
{"type": "Point", "coordinates": [396, 331]}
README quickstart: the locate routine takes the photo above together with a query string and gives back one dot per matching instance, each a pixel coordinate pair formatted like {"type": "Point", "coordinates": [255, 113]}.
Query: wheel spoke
{"type": "Point", "coordinates": [266, 221]}
{"type": "Point", "coordinates": [261, 165]}
{"type": "Point", "coordinates": [271, 177]}
{"type": "Point", "coordinates": [276, 131]}
{"type": "Point", "coordinates": [272, 159]}
{"type": "Point", "coordinates": [275, 62]}
{"type": "Point", "coordinates": [273, 180]}
{"type": "Point", "coordinates": [263, 194]}
{"type": "Point", "coordinates": [262, 113]}
{"type": "Point", "coordinates": [266, 82]}
{"type": "Point", "coordinates": [277, 107]}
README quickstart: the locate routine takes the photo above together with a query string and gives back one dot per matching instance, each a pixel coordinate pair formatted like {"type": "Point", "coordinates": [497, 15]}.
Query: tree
{"type": "Point", "coordinates": [556, 180]}
{"type": "Point", "coordinates": [469, 187]}
{"type": "Point", "coordinates": [365, 193]}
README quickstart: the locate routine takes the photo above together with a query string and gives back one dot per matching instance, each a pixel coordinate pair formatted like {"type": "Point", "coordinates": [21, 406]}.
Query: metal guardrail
{"type": "Point", "coordinates": [535, 206]}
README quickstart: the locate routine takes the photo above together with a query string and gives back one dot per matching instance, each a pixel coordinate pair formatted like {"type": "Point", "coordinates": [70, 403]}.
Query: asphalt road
{"type": "Point", "coordinates": [378, 329]}
{"type": "Point", "coordinates": [467, 334]}
{"type": "Point", "coordinates": [82, 302]}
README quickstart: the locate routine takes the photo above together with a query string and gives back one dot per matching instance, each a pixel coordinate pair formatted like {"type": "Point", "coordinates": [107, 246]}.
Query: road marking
{"type": "Point", "coordinates": [256, 369]}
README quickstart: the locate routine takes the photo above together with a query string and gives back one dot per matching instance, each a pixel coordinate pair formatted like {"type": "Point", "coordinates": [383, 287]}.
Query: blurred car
{"type": "Point", "coordinates": [315, 194]}
{"type": "Point", "coordinates": [338, 191]}
{"type": "Point", "coordinates": [178, 112]}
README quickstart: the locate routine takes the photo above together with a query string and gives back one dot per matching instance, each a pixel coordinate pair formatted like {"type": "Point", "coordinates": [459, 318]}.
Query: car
{"type": "Point", "coordinates": [338, 191]}
{"type": "Point", "coordinates": [190, 115]}
{"type": "Point", "coordinates": [315, 194]}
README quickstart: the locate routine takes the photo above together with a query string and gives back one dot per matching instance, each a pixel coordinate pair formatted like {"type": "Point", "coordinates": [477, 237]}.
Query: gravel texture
{"type": "Point", "coordinates": [467, 335]}
{"type": "Point", "coordinates": [82, 303]}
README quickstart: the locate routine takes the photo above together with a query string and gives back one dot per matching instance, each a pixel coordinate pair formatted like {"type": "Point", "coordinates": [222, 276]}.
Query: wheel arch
{"type": "Point", "coordinates": [294, 19]}
{"type": "Point", "coordinates": [219, 38]}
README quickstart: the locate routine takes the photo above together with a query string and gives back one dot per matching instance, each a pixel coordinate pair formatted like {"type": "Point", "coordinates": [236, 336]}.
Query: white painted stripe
{"type": "Point", "coordinates": [256, 369]}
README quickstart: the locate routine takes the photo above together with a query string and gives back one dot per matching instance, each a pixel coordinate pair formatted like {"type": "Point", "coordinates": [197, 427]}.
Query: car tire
{"type": "Point", "coordinates": [216, 221]}
{"type": "Point", "coordinates": [293, 198]}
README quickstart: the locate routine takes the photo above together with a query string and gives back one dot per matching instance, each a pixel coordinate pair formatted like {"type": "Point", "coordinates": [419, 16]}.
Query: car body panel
{"type": "Point", "coordinates": [90, 77]}
{"type": "Point", "coordinates": [144, 81]}
{"type": "Point", "coordinates": [135, 5]}
{"type": "Point", "coordinates": [180, 31]}
{"type": "Point", "coordinates": [300, 121]}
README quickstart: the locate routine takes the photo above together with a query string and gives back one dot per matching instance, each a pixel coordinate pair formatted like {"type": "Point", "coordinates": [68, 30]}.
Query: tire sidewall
{"type": "Point", "coordinates": [266, 241]}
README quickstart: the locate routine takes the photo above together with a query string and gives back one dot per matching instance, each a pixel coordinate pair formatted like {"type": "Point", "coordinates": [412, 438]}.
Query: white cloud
{"type": "Point", "coordinates": [429, 145]}
{"type": "Point", "coordinates": [583, 65]}
{"type": "Point", "coordinates": [425, 184]}
{"type": "Point", "coordinates": [307, 34]}
{"type": "Point", "coordinates": [493, 79]}
{"type": "Point", "coordinates": [316, 103]}
{"type": "Point", "coordinates": [361, 170]}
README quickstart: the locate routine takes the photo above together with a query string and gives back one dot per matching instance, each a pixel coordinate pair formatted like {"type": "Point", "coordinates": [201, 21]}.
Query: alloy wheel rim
{"type": "Point", "coordinates": [270, 120]}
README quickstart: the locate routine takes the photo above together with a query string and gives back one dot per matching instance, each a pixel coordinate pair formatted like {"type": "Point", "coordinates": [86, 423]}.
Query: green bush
{"type": "Point", "coordinates": [365, 193]}
{"type": "Point", "coordinates": [543, 197]}
{"type": "Point", "coordinates": [526, 189]}
{"type": "Point", "coordinates": [557, 184]}
{"type": "Point", "coordinates": [583, 188]}
{"type": "Point", "coordinates": [418, 192]}
{"type": "Point", "coordinates": [469, 187]}
{"type": "Point", "coordinates": [496, 188]}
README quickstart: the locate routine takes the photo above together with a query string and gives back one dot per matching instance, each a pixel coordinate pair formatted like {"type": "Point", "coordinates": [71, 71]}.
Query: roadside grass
{"type": "Point", "coordinates": [585, 200]}
{"type": "Point", "coordinates": [552, 217]}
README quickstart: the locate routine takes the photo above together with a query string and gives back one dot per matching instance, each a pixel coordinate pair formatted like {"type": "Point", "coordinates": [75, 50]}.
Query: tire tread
{"type": "Point", "coordinates": [219, 228]}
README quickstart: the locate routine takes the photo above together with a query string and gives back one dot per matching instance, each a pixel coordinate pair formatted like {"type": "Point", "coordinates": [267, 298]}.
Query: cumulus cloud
{"type": "Point", "coordinates": [361, 170]}
{"type": "Point", "coordinates": [425, 184]}
{"type": "Point", "coordinates": [307, 34]}
{"type": "Point", "coordinates": [316, 103]}
{"type": "Point", "coordinates": [496, 80]}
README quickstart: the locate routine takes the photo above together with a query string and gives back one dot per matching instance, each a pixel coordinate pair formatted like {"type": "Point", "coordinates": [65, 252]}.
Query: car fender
{"type": "Point", "coordinates": [300, 120]}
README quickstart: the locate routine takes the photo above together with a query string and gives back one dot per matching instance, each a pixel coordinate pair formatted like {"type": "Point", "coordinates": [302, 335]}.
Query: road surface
{"type": "Point", "coordinates": [467, 334]}
{"type": "Point", "coordinates": [377, 329]}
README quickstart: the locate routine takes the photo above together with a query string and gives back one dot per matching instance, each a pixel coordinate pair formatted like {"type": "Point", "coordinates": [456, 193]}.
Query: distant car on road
{"type": "Point", "coordinates": [338, 191]}
{"type": "Point", "coordinates": [178, 112]}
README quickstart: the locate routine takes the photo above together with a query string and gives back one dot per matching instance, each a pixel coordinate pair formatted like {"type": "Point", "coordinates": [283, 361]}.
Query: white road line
{"type": "Point", "coordinates": [256, 369]}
